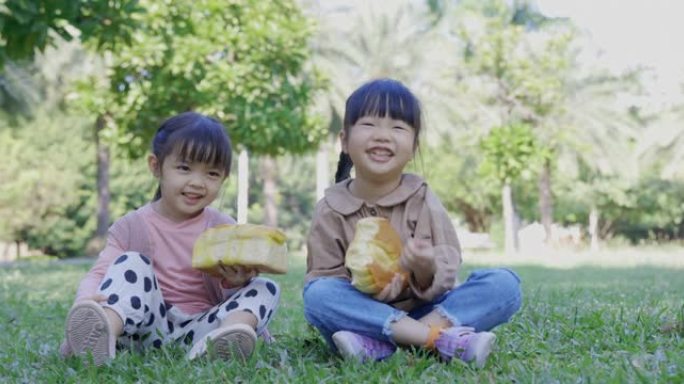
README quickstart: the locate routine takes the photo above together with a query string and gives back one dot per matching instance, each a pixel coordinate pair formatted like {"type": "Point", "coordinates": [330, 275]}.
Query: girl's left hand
{"type": "Point", "coordinates": [418, 255]}
{"type": "Point", "coordinates": [236, 275]}
{"type": "Point", "coordinates": [419, 259]}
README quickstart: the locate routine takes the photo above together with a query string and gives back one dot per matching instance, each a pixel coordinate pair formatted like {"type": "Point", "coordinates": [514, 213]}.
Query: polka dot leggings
{"type": "Point", "coordinates": [132, 291]}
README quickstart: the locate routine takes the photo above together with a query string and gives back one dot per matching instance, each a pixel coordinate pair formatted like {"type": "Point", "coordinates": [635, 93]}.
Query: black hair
{"type": "Point", "coordinates": [195, 138]}
{"type": "Point", "coordinates": [380, 97]}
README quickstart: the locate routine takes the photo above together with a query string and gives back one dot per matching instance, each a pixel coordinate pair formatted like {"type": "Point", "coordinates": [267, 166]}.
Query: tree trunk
{"type": "Point", "coordinates": [322, 171]}
{"type": "Point", "coordinates": [243, 187]}
{"type": "Point", "coordinates": [593, 228]}
{"type": "Point", "coordinates": [510, 230]}
{"type": "Point", "coordinates": [269, 173]}
{"type": "Point", "coordinates": [102, 183]}
{"type": "Point", "coordinates": [546, 200]}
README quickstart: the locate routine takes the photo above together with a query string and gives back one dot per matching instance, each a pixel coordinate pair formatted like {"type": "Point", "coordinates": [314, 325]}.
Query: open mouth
{"type": "Point", "coordinates": [192, 197]}
{"type": "Point", "coordinates": [380, 154]}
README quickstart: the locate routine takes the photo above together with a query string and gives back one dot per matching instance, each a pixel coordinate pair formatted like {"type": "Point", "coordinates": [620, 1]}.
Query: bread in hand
{"type": "Point", "coordinates": [258, 246]}
{"type": "Point", "coordinates": [373, 255]}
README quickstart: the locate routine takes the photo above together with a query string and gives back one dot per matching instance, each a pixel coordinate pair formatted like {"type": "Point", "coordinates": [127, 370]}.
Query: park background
{"type": "Point", "coordinates": [553, 136]}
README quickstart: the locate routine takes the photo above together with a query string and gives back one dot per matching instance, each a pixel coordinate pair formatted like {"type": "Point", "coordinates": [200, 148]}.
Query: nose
{"type": "Point", "coordinates": [196, 180]}
{"type": "Point", "coordinates": [381, 132]}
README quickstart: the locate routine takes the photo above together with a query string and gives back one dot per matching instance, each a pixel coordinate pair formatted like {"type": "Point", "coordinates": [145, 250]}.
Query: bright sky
{"type": "Point", "coordinates": [633, 33]}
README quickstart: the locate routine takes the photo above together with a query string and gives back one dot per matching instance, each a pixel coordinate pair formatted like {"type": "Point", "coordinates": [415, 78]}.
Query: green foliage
{"type": "Point", "coordinates": [47, 198]}
{"type": "Point", "coordinates": [294, 199]}
{"type": "Point", "coordinates": [296, 203]}
{"type": "Point", "coordinates": [243, 62]}
{"type": "Point", "coordinates": [454, 176]}
{"type": "Point", "coordinates": [30, 26]}
{"type": "Point", "coordinates": [509, 152]}
{"type": "Point", "coordinates": [656, 212]}
{"type": "Point", "coordinates": [37, 189]}
{"type": "Point", "coordinates": [19, 93]}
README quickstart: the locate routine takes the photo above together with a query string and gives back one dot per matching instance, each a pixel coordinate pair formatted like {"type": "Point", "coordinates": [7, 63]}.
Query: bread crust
{"type": "Point", "coordinates": [258, 246]}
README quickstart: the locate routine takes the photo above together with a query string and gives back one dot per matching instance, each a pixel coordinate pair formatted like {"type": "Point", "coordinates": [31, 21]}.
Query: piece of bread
{"type": "Point", "coordinates": [251, 245]}
{"type": "Point", "coordinates": [373, 255]}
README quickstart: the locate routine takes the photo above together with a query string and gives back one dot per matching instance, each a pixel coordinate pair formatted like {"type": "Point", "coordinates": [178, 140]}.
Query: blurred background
{"type": "Point", "coordinates": [552, 126]}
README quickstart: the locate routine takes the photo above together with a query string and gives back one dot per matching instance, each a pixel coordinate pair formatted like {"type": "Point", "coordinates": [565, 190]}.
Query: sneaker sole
{"type": "Point", "coordinates": [87, 331]}
{"type": "Point", "coordinates": [483, 347]}
{"type": "Point", "coordinates": [231, 342]}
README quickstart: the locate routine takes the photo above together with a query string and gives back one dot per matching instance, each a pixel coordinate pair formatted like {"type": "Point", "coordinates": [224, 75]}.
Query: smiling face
{"type": "Point", "coordinates": [380, 148]}
{"type": "Point", "coordinates": [187, 187]}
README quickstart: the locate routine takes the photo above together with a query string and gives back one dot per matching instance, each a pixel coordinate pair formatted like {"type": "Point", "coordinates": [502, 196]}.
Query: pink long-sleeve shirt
{"type": "Point", "coordinates": [169, 245]}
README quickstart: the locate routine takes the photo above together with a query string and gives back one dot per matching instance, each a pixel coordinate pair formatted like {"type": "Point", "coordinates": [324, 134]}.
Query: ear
{"type": "Point", "coordinates": [343, 141]}
{"type": "Point", "coordinates": [153, 164]}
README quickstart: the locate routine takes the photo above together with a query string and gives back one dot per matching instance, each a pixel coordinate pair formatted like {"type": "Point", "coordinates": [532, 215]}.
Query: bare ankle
{"type": "Point", "coordinates": [115, 322]}
{"type": "Point", "coordinates": [240, 317]}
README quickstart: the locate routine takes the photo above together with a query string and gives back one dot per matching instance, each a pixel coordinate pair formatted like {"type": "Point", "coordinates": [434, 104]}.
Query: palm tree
{"type": "Point", "coordinates": [535, 76]}
{"type": "Point", "coordinates": [361, 40]}
{"type": "Point", "coordinates": [662, 143]}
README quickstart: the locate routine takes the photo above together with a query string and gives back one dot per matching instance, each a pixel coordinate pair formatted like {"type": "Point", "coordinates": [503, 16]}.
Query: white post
{"type": "Point", "coordinates": [243, 187]}
{"type": "Point", "coordinates": [322, 172]}
{"type": "Point", "coordinates": [510, 230]}
{"type": "Point", "coordinates": [593, 228]}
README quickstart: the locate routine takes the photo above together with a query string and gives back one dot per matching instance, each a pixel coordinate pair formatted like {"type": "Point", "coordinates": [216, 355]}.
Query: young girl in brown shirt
{"type": "Point", "coordinates": [382, 124]}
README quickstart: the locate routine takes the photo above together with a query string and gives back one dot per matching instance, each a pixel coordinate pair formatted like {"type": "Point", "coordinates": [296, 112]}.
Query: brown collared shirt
{"type": "Point", "coordinates": [413, 210]}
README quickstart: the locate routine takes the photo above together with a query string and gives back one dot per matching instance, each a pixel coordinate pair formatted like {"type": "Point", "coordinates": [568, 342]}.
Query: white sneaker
{"type": "Point", "coordinates": [227, 343]}
{"type": "Point", "coordinates": [87, 331]}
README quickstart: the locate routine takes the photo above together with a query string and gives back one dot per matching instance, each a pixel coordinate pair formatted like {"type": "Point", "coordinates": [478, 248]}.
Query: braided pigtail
{"type": "Point", "coordinates": [344, 166]}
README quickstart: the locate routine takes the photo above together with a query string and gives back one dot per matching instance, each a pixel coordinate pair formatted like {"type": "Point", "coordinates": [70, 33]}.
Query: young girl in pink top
{"type": "Point", "coordinates": [142, 290]}
{"type": "Point", "coordinates": [430, 309]}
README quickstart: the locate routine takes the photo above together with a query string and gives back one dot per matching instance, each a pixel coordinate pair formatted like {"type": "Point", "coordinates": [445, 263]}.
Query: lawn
{"type": "Point", "coordinates": [581, 324]}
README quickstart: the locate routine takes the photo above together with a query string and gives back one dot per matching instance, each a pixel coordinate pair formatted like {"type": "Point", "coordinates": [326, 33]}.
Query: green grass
{"type": "Point", "coordinates": [578, 325]}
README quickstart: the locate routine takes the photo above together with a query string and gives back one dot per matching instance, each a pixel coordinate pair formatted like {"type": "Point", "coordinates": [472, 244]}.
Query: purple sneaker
{"type": "Point", "coordinates": [362, 348]}
{"type": "Point", "coordinates": [466, 344]}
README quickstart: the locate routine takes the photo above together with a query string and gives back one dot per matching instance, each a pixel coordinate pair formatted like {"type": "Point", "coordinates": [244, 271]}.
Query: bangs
{"type": "Point", "coordinates": [383, 98]}
{"type": "Point", "coordinates": [199, 144]}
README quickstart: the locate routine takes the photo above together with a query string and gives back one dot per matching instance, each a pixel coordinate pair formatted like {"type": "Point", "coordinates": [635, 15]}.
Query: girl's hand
{"type": "Point", "coordinates": [391, 290]}
{"type": "Point", "coordinates": [236, 275]}
{"type": "Point", "coordinates": [418, 258]}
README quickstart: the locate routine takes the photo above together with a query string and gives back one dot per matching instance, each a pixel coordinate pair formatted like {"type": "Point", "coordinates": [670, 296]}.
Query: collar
{"type": "Point", "coordinates": [341, 200]}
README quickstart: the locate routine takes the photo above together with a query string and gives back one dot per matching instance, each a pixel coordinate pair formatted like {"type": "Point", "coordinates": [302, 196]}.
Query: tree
{"type": "Point", "coordinates": [661, 145]}
{"type": "Point", "coordinates": [452, 168]}
{"type": "Point", "coordinates": [243, 63]}
{"type": "Point", "coordinates": [395, 39]}
{"type": "Point", "coordinates": [104, 25]}
{"type": "Point", "coordinates": [529, 64]}
{"type": "Point", "coordinates": [27, 27]}
{"type": "Point", "coordinates": [509, 152]}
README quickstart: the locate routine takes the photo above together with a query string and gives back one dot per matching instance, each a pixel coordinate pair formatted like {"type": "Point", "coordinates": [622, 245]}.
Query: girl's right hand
{"type": "Point", "coordinates": [391, 290]}
{"type": "Point", "coordinates": [236, 275]}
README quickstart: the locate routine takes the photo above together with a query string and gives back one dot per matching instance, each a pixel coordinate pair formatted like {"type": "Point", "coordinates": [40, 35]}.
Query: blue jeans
{"type": "Point", "coordinates": [488, 298]}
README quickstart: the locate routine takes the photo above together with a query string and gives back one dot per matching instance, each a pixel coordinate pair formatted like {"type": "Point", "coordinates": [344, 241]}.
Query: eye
{"type": "Point", "coordinates": [183, 167]}
{"type": "Point", "coordinates": [215, 174]}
